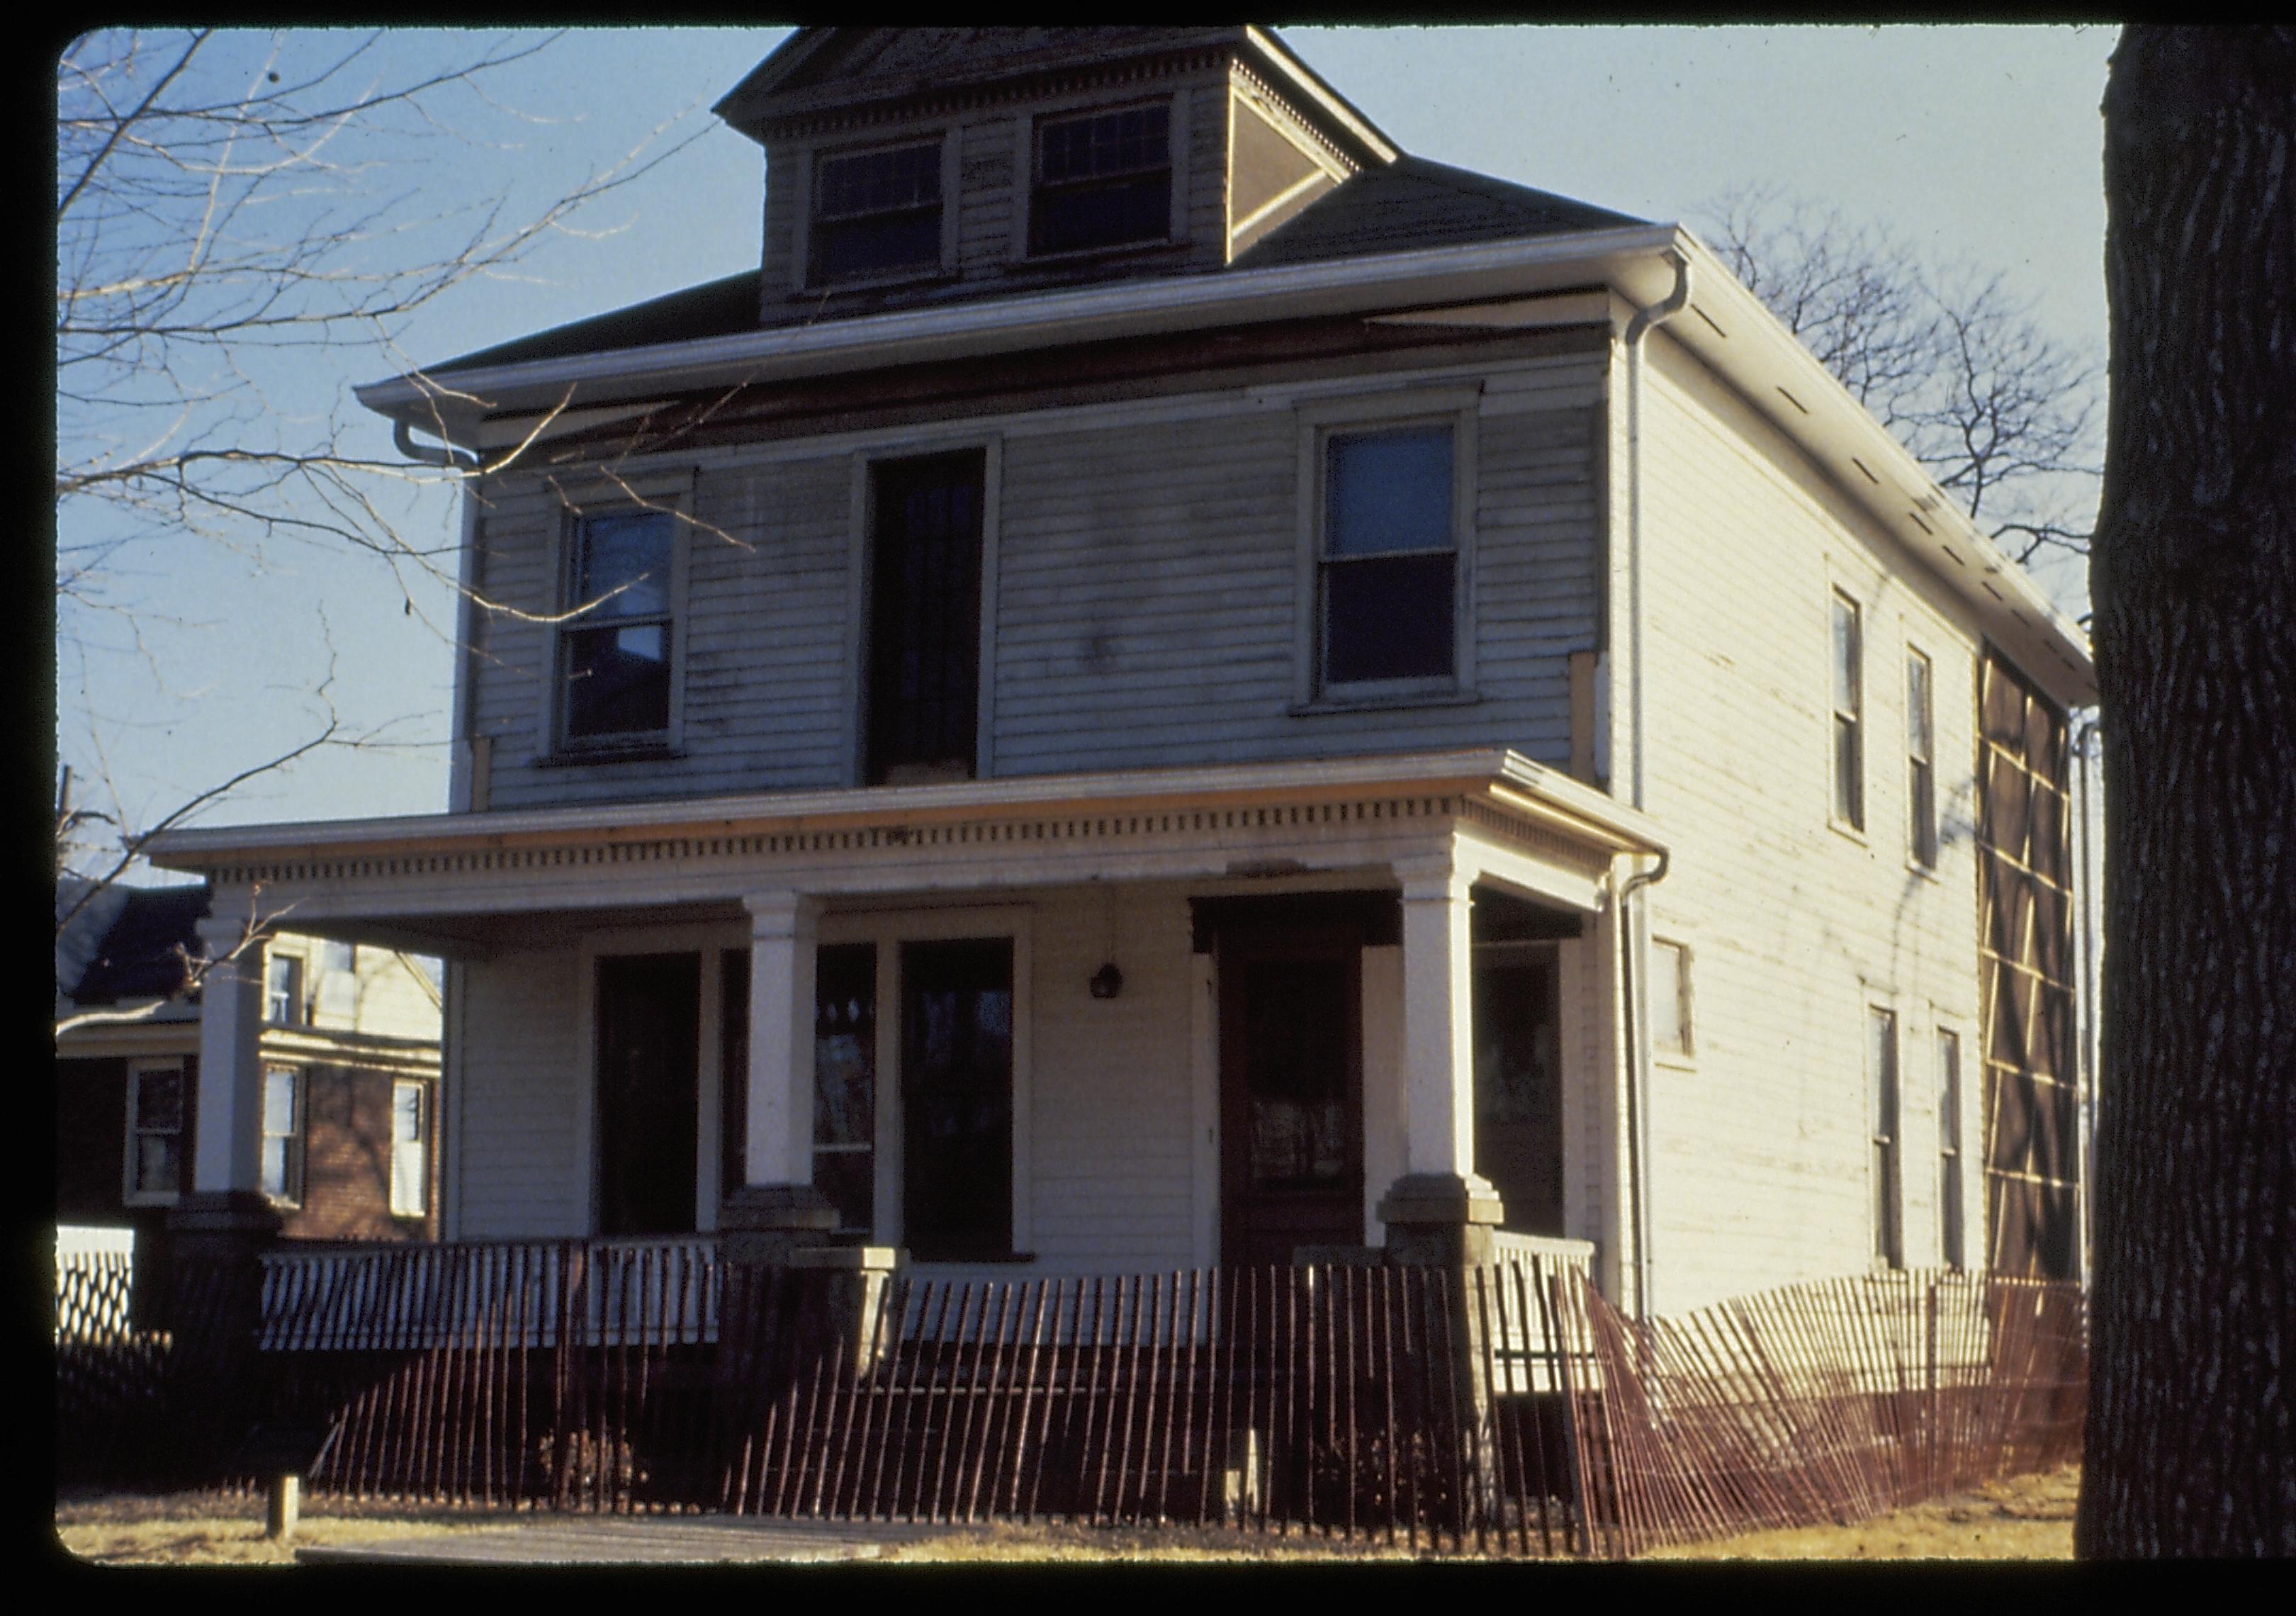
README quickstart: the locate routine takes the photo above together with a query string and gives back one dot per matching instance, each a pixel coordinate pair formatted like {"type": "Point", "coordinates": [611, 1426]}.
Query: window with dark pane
{"type": "Point", "coordinates": [924, 642]}
{"type": "Point", "coordinates": [877, 212]}
{"type": "Point", "coordinates": [1881, 1088]}
{"type": "Point", "coordinates": [1952, 1247]}
{"type": "Point", "coordinates": [845, 1084]}
{"type": "Point", "coordinates": [1103, 180]}
{"type": "Point", "coordinates": [618, 644]}
{"type": "Point", "coordinates": [1848, 716]}
{"type": "Point", "coordinates": [156, 1123]}
{"type": "Point", "coordinates": [1389, 568]}
{"type": "Point", "coordinates": [1921, 772]}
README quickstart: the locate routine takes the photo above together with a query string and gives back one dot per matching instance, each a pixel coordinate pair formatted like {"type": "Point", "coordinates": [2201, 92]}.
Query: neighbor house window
{"type": "Point", "coordinates": [1952, 1249]}
{"type": "Point", "coordinates": [1102, 180]}
{"type": "Point", "coordinates": [284, 1003]}
{"type": "Point", "coordinates": [283, 1134]}
{"type": "Point", "coordinates": [616, 649]}
{"type": "Point", "coordinates": [155, 1134]}
{"type": "Point", "coordinates": [1388, 567]}
{"type": "Point", "coordinates": [1920, 773]}
{"type": "Point", "coordinates": [877, 212]}
{"type": "Point", "coordinates": [1848, 716]}
{"type": "Point", "coordinates": [1670, 1000]}
{"type": "Point", "coordinates": [1881, 1090]}
{"type": "Point", "coordinates": [410, 1149]}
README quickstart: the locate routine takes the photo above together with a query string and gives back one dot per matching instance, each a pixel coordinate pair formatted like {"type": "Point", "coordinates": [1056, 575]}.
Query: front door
{"type": "Point", "coordinates": [1291, 1093]}
{"type": "Point", "coordinates": [957, 1099]}
{"type": "Point", "coordinates": [648, 1092]}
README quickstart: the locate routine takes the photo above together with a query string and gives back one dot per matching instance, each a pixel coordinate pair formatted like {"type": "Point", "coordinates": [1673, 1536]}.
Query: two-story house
{"type": "Point", "coordinates": [1167, 682]}
{"type": "Point", "coordinates": [347, 1047]}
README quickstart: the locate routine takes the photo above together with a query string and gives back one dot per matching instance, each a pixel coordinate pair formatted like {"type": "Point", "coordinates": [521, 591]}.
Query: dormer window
{"type": "Point", "coordinates": [877, 213]}
{"type": "Point", "coordinates": [1104, 180]}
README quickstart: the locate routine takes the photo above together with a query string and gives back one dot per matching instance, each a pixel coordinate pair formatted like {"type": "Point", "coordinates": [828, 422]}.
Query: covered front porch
{"type": "Point", "coordinates": [1111, 1023]}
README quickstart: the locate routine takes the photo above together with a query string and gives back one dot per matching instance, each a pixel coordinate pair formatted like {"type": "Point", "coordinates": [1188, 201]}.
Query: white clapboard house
{"type": "Point", "coordinates": [1167, 682]}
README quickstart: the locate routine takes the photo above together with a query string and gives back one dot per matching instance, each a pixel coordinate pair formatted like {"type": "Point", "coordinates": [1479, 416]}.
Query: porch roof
{"type": "Point", "coordinates": [416, 879]}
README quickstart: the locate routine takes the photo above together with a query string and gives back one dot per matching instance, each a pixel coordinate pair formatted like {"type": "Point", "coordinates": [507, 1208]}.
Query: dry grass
{"type": "Point", "coordinates": [2027, 1518]}
{"type": "Point", "coordinates": [2023, 1518]}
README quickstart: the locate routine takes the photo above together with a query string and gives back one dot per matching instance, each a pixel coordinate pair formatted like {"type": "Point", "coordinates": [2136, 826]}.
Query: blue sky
{"type": "Point", "coordinates": [1973, 145]}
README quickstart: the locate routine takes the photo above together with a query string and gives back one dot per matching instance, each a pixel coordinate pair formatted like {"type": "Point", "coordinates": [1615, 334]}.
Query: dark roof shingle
{"type": "Point", "coordinates": [1413, 203]}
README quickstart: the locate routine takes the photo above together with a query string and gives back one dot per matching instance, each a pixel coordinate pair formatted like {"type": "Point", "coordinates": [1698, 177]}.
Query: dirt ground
{"type": "Point", "coordinates": [2029, 1518]}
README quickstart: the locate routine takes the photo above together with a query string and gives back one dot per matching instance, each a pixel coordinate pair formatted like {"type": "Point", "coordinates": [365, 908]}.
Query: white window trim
{"type": "Point", "coordinates": [1684, 1056]}
{"type": "Point", "coordinates": [1936, 817]}
{"type": "Point", "coordinates": [1874, 1006]}
{"type": "Point", "coordinates": [1839, 595]}
{"type": "Point", "coordinates": [130, 1195]}
{"type": "Point", "coordinates": [1024, 187]}
{"type": "Point", "coordinates": [426, 1130]}
{"type": "Point", "coordinates": [671, 492]}
{"type": "Point", "coordinates": [1458, 408]}
{"type": "Point", "coordinates": [860, 596]}
{"type": "Point", "coordinates": [806, 162]}
{"type": "Point", "coordinates": [297, 1187]}
{"type": "Point", "coordinates": [301, 996]}
{"type": "Point", "coordinates": [888, 930]}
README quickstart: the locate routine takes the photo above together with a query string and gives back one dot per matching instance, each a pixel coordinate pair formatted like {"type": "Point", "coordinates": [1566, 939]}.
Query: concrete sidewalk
{"type": "Point", "coordinates": [636, 1540]}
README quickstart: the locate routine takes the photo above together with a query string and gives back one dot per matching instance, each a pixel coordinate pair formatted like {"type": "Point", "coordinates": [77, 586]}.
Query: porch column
{"type": "Point", "coordinates": [229, 1126]}
{"type": "Point", "coordinates": [777, 1201]}
{"type": "Point", "coordinates": [1440, 1210]}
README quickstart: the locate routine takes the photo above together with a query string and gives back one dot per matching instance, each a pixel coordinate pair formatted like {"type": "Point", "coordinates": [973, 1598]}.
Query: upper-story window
{"type": "Point", "coordinates": [1103, 179]}
{"type": "Point", "coordinates": [616, 650]}
{"type": "Point", "coordinates": [1388, 560]}
{"type": "Point", "coordinates": [877, 213]}
{"type": "Point", "coordinates": [155, 1132]}
{"type": "Point", "coordinates": [285, 1003]}
{"type": "Point", "coordinates": [1921, 770]}
{"type": "Point", "coordinates": [1849, 715]}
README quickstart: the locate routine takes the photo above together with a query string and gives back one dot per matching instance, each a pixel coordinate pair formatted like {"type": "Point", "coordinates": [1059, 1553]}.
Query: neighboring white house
{"type": "Point", "coordinates": [1165, 670]}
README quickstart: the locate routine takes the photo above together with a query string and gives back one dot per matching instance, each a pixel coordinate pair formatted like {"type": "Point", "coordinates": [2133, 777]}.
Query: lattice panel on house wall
{"type": "Point", "coordinates": [2025, 960]}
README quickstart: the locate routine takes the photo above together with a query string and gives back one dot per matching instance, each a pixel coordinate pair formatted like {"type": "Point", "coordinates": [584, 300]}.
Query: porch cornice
{"type": "Point", "coordinates": [1505, 782]}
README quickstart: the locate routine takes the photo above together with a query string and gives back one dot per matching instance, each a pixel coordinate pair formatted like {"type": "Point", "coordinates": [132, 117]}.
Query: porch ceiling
{"type": "Point", "coordinates": [468, 883]}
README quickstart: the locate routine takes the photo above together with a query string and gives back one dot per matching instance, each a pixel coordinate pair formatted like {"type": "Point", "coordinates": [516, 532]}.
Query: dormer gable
{"type": "Point", "coordinates": [909, 165]}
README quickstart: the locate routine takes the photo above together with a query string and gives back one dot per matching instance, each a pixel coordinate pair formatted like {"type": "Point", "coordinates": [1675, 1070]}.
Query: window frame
{"type": "Point", "coordinates": [1685, 1053]}
{"type": "Point", "coordinates": [806, 232]}
{"type": "Point", "coordinates": [1922, 839]}
{"type": "Point", "coordinates": [291, 1192]}
{"type": "Point", "coordinates": [671, 498]}
{"type": "Point", "coordinates": [1319, 422]}
{"type": "Point", "coordinates": [1850, 720]}
{"type": "Point", "coordinates": [423, 1130]}
{"type": "Point", "coordinates": [1885, 1103]}
{"type": "Point", "coordinates": [1953, 1229]}
{"type": "Point", "coordinates": [295, 996]}
{"type": "Point", "coordinates": [132, 1192]}
{"type": "Point", "coordinates": [1029, 179]}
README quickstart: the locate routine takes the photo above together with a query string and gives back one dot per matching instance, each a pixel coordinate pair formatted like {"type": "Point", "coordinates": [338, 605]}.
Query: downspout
{"type": "Point", "coordinates": [446, 457]}
{"type": "Point", "coordinates": [1638, 1043]}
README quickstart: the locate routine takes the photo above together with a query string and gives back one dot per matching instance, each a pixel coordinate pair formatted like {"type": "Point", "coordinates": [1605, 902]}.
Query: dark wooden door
{"type": "Point", "coordinates": [957, 1099]}
{"type": "Point", "coordinates": [648, 1092]}
{"type": "Point", "coordinates": [1518, 1084]}
{"type": "Point", "coordinates": [924, 619]}
{"type": "Point", "coordinates": [1291, 1093]}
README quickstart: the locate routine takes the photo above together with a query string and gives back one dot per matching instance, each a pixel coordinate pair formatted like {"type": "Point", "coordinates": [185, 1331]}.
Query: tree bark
{"type": "Point", "coordinates": [2189, 1441]}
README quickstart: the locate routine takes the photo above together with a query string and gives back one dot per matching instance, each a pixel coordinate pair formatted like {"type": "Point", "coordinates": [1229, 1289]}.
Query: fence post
{"type": "Point", "coordinates": [214, 1315]}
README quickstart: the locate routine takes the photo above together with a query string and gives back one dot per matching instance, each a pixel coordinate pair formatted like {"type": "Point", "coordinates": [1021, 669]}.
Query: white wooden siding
{"type": "Point", "coordinates": [1760, 1142]}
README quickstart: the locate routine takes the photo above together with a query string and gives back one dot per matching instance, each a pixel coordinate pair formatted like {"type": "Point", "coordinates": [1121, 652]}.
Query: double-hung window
{"type": "Point", "coordinates": [1920, 771]}
{"type": "Point", "coordinates": [1389, 544]}
{"type": "Point", "coordinates": [876, 213]}
{"type": "Point", "coordinates": [410, 1148]}
{"type": "Point", "coordinates": [1951, 1247]}
{"type": "Point", "coordinates": [616, 647]}
{"type": "Point", "coordinates": [1881, 1098]}
{"type": "Point", "coordinates": [1104, 180]}
{"type": "Point", "coordinates": [1849, 715]}
{"type": "Point", "coordinates": [155, 1134]}
{"type": "Point", "coordinates": [283, 1134]}
{"type": "Point", "coordinates": [284, 1002]}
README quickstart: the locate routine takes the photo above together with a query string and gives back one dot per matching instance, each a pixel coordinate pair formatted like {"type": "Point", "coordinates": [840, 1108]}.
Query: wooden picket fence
{"type": "Point", "coordinates": [1511, 1410]}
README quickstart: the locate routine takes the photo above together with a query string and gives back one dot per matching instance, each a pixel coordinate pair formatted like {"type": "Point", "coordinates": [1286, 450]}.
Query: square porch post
{"type": "Point", "coordinates": [777, 1205]}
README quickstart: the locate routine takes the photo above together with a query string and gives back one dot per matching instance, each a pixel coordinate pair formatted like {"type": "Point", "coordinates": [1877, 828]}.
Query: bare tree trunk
{"type": "Point", "coordinates": [2190, 1435]}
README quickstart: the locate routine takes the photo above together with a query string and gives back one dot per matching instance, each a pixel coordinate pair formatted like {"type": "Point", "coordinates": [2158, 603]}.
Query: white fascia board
{"type": "Point", "coordinates": [1730, 330]}
{"type": "Point", "coordinates": [1494, 773]}
{"type": "Point", "coordinates": [1631, 259]}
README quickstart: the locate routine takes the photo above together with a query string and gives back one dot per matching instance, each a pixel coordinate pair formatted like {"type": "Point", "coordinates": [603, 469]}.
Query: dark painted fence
{"type": "Point", "coordinates": [1512, 1411]}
